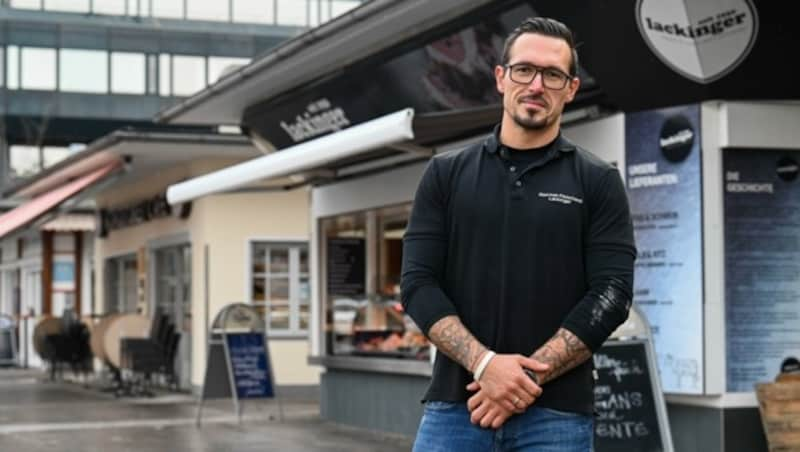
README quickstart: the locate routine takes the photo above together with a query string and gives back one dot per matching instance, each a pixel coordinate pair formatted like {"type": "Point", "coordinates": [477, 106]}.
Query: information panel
{"type": "Point", "coordinates": [762, 264]}
{"type": "Point", "coordinates": [250, 365]}
{"type": "Point", "coordinates": [629, 412]}
{"type": "Point", "coordinates": [346, 266]}
{"type": "Point", "coordinates": [664, 187]}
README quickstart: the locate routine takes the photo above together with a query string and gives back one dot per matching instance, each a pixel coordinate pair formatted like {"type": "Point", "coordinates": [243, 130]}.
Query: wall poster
{"type": "Point", "coordinates": [665, 192]}
{"type": "Point", "coordinates": [762, 264]}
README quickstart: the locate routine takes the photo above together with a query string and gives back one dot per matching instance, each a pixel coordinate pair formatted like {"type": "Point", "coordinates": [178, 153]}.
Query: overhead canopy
{"type": "Point", "coordinates": [40, 205]}
{"type": "Point", "coordinates": [312, 155]}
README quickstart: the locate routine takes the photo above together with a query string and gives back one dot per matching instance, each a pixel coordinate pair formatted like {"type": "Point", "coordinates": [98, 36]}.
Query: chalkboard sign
{"type": "Point", "coordinates": [629, 405]}
{"type": "Point", "coordinates": [346, 266]}
{"type": "Point", "coordinates": [250, 365]}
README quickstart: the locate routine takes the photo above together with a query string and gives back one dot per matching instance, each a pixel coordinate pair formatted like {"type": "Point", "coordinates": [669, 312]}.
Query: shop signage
{"type": "Point", "coordinates": [702, 40]}
{"type": "Point", "coordinates": [664, 188]}
{"type": "Point", "coordinates": [141, 212]}
{"type": "Point", "coordinates": [250, 365]}
{"type": "Point", "coordinates": [630, 410]}
{"type": "Point", "coordinates": [762, 263]}
{"type": "Point", "coordinates": [448, 71]}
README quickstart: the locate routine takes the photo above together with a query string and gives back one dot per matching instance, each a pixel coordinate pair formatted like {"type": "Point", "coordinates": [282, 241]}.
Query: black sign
{"type": "Point", "coordinates": [346, 266]}
{"type": "Point", "coordinates": [625, 401]}
{"type": "Point", "coordinates": [250, 366]}
{"type": "Point", "coordinates": [141, 212]}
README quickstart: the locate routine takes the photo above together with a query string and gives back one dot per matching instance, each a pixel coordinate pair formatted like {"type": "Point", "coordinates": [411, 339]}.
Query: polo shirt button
{"type": "Point", "coordinates": [513, 168]}
{"type": "Point", "coordinates": [518, 183]}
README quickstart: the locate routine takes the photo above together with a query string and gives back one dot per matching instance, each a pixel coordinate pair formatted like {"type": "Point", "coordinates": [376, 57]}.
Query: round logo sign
{"type": "Point", "coordinates": [700, 39]}
{"type": "Point", "coordinates": [676, 139]}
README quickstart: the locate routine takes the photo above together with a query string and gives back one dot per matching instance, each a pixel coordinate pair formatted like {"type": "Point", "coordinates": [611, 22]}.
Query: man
{"type": "Point", "coordinates": [518, 264]}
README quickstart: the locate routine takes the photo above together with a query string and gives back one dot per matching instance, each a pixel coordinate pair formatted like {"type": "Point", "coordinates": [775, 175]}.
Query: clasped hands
{"type": "Point", "coordinates": [503, 390]}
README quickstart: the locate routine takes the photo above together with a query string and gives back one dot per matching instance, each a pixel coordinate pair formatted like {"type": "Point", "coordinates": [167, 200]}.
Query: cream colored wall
{"type": "Point", "coordinates": [226, 223]}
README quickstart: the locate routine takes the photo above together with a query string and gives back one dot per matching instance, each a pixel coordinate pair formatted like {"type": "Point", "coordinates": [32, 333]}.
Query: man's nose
{"type": "Point", "coordinates": [537, 84]}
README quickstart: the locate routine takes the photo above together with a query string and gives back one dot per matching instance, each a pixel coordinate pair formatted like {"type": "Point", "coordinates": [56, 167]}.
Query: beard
{"type": "Point", "coordinates": [529, 122]}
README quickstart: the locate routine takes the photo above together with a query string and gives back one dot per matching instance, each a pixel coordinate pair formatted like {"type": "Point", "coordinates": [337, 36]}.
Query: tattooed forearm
{"type": "Point", "coordinates": [453, 339]}
{"type": "Point", "coordinates": [562, 352]}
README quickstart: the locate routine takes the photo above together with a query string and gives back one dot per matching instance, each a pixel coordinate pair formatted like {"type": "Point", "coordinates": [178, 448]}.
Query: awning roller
{"type": "Point", "coordinates": [386, 130]}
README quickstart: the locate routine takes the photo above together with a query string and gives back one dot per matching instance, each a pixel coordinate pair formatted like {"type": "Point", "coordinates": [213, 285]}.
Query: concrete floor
{"type": "Point", "coordinates": [41, 416]}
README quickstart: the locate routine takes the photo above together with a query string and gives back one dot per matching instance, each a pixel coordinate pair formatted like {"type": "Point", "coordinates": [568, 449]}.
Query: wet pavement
{"type": "Point", "coordinates": [37, 415]}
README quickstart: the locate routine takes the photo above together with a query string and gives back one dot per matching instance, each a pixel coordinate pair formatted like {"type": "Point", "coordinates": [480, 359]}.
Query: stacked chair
{"type": "Point", "coordinates": [142, 360]}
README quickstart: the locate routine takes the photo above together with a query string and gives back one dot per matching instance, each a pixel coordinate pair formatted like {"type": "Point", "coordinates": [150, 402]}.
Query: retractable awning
{"type": "Point", "coordinates": [388, 130]}
{"type": "Point", "coordinates": [35, 208]}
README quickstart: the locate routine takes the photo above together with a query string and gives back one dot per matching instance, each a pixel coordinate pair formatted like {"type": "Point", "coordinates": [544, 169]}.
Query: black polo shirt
{"type": "Point", "coordinates": [517, 252]}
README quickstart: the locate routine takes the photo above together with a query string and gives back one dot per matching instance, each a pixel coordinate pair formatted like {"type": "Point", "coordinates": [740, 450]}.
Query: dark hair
{"type": "Point", "coordinates": [547, 27]}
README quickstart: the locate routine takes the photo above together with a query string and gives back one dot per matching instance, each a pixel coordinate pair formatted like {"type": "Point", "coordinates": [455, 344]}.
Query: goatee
{"type": "Point", "coordinates": [529, 123]}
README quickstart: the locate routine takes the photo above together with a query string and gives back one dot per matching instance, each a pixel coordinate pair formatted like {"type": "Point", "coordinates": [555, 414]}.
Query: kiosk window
{"type": "Point", "coordinates": [361, 255]}
{"type": "Point", "coordinates": [279, 278]}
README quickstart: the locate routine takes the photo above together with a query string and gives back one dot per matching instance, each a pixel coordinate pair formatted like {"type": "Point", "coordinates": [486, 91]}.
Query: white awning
{"type": "Point", "coordinates": [386, 130]}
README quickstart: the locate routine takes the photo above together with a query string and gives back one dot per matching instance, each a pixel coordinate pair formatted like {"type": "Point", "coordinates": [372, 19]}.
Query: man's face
{"type": "Point", "coordinates": [532, 105]}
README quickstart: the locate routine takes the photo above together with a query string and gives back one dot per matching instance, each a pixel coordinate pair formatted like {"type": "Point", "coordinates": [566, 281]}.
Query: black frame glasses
{"type": "Point", "coordinates": [552, 78]}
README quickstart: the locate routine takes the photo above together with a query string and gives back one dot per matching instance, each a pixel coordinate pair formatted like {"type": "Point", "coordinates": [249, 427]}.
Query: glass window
{"type": "Point", "coordinates": [127, 73]}
{"type": "Point", "coordinates": [121, 277]}
{"type": "Point", "coordinates": [278, 280]}
{"type": "Point", "coordinates": [254, 11]}
{"type": "Point", "coordinates": [361, 291]}
{"type": "Point", "coordinates": [134, 7]}
{"type": "Point", "coordinates": [38, 68]}
{"type": "Point", "coordinates": [12, 67]}
{"type": "Point", "coordinates": [172, 9]}
{"type": "Point", "coordinates": [24, 160]}
{"type": "Point", "coordinates": [164, 74]}
{"type": "Point", "coordinates": [84, 71]}
{"type": "Point", "coordinates": [292, 12]}
{"type": "Point", "coordinates": [74, 6]}
{"type": "Point", "coordinates": [114, 7]}
{"type": "Point", "coordinates": [218, 66]}
{"type": "Point", "coordinates": [205, 10]}
{"type": "Point", "coordinates": [26, 4]}
{"type": "Point", "coordinates": [152, 74]}
{"type": "Point", "coordinates": [339, 7]}
{"type": "Point", "coordinates": [188, 74]}
{"type": "Point", "coordinates": [52, 155]}
{"type": "Point", "coordinates": [2, 66]}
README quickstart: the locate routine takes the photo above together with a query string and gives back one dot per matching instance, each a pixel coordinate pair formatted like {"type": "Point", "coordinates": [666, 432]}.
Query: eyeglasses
{"type": "Point", "coordinates": [524, 73]}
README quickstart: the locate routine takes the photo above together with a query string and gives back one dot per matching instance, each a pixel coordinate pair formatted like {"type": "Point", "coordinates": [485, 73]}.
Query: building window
{"type": "Point", "coordinates": [121, 277]}
{"type": "Point", "coordinates": [111, 7]}
{"type": "Point", "coordinates": [127, 73]}
{"type": "Point", "coordinates": [24, 161]}
{"type": "Point", "coordinates": [38, 68]}
{"type": "Point", "coordinates": [279, 279]}
{"type": "Point", "coordinates": [204, 10]}
{"type": "Point", "coordinates": [72, 6]}
{"type": "Point", "coordinates": [83, 71]}
{"type": "Point", "coordinates": [218, 66]}
{"type": "Point", "coordinates": [152, 74]}
{"type": "Point", "coordinates": [360, 260]}
{"type": "Point", "coordinates": [26, 4]}
{"type": "Point", "coordinates": [292, 12]}
{"type": "Point", "coordinates": [170, 9]}
{"type": "Point", "coordinates": [188, 74]}
{"type": "Point", "coordinates": [12, 67]}
{"type": "Point", "coordinates": [165, 74]}
{"type": "Point", "coordinates": [254, 11]}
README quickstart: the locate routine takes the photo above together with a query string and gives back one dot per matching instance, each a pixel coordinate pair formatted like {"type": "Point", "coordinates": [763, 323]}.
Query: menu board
{"type": "Point", "coordinates": [346, 269]}
{"type": "Point", "coordinates": [250, 365]}
{"type": "Point", "coordinates": [630, 413]}
{"type": "Point", "coordinates": [665, 192]}
{"type": "Point", "coordinates": [762, 263]}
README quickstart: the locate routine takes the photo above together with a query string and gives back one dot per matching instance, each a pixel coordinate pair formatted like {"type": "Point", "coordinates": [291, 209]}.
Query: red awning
{"type": "Point", "coordinates": [35, 208]}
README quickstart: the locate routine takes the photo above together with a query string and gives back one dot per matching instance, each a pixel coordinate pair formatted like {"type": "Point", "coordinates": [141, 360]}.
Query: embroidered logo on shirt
{"type": "Point", "coordinates": [560, 197]}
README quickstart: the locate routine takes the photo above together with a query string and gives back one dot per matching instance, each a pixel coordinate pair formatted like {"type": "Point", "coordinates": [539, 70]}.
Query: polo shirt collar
{"type": "Point", "coordinates": [492, 142]}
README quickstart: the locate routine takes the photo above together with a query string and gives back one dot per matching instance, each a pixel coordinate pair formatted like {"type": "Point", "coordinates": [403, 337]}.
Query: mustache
{"type": "Point", "coordinates": [529, 98]}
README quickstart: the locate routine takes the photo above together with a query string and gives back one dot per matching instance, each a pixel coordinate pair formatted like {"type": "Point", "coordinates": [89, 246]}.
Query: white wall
{"type": "Point", "coordinates": [604, 138]}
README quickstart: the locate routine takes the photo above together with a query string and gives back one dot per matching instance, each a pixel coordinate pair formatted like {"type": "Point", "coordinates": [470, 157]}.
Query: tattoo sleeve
{"type": "Point", "coordinates": [562, 352]}
{"type": "Point", "coordinates": [453, 339]}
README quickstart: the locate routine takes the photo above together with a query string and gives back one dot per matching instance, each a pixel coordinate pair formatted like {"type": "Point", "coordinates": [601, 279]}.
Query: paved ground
{"type": "Point", "coordinates": [37, 416]}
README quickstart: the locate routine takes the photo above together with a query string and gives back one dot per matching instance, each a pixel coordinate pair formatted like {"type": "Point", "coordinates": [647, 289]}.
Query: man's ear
{"type": "Point", "coordinates": [499, 73]}
{"type": "Point", "coordinates": [574, 84]}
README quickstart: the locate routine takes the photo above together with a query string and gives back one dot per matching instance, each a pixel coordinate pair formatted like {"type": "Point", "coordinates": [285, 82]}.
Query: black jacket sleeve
{"type": "Point", "coordinates": [609, 252]}
{"type": "Point", "coordinates": [425, 252]}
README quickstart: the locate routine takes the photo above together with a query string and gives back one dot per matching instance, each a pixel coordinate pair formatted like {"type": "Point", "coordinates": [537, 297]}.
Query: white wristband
{"type": "Point", "coordinates": [482, 365]}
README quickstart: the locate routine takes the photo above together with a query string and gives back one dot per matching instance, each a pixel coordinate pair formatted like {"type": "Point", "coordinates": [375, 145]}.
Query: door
{"type": "Point", "coordinates": [173, 297]}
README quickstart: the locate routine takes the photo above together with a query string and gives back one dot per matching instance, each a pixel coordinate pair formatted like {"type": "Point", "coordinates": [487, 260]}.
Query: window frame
{"type": "Point", "coordinates": [295, 246]}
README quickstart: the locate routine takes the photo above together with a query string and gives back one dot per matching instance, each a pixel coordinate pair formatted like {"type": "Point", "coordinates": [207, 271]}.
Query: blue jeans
{"type": "Point", "coordinates": [446, 427]}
